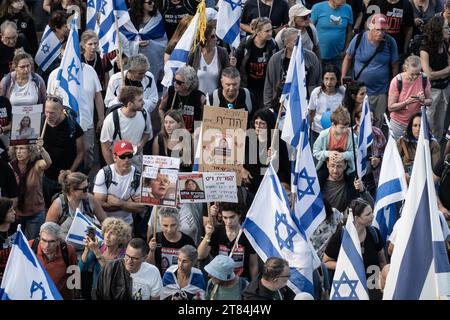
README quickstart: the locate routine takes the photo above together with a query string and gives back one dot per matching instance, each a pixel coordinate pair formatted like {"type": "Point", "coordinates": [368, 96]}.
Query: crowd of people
{"type": "Point", "coordinates": [395, 53]}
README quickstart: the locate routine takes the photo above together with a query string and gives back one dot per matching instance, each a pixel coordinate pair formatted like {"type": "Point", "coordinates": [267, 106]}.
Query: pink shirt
{"type": "Point", "coordinates": [408, 89]}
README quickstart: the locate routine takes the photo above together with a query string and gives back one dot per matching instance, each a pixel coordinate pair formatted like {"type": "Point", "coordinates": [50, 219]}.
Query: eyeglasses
{"type": "Point", "coordinates": [133, 259]}
{"type": "Point", "coordinates": [262, 124]}
{"type": "Point", "coordinates": [148, 2]}
{"type": "Point", "coordinates": [179, 82]}
{"type": "Point", "coordinates": [126, 156]}
{"type": "Point", "coordinates": [85, 189]}
{"type": "Point", "coordinates": [54, 99]}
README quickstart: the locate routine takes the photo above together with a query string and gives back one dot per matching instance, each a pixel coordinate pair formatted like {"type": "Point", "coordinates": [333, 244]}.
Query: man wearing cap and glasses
{"type": "Point", "coordinates": [64, 142]}
{"type": "Point", "coordinates": [117, 186]}
{"type": "Point", "coordinates": [374, 59]}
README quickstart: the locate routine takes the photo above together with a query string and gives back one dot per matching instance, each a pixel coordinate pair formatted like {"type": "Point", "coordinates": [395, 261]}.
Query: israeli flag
{"type": "Point", "coordinates": [349, 281]}
{"type": "Point", "coordinates": [198, 152]}
{"type": "Point", "coordinates": [309, 208]}
{"type": "Point", "coordinates": [24, 277]}
{"type": "Point", "coordinates": [365, 139]}
{"type": "Point", "coordinates": [228, 21]}
{"type": "Point", "coordinates": [70, 74]}
{"type": "Point", "coordinates": [107, 35]}
{"type": "Point", "coordinates": [49, 49]}
{"type": "Point", "coordinates": [392, 189]}
{"type": "Point", "coordinates": [79, 227]}
{"type": "Point", "coordinates": [272, 231]}
{"type": "Point", "coordinates": [180, 54]}
{"type": "Point", "coordinates": [196, 284]}
{"type": "Point", "coordinates": [293, 96]}
{"type": "Point", "coordinates": [419, 265]}
{"type": "Point", "coordinates": [92, 9]}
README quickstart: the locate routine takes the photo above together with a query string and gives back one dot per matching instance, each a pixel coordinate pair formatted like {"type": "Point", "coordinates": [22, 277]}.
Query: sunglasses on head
{"type": "Point", "coordinates": [179, 82]}
{"type": "Point", "coordinates": [126, 156]}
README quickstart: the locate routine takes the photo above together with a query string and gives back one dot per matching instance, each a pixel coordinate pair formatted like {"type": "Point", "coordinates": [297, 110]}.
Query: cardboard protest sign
{"type": "Point", "coordinates": [223, 140]}
{"type": "Point", "coordinates": [207, 187]}
{"type": "Point", "coordinates": [26, 124]}
{"type": "Point", "coordinates": [159, 180]}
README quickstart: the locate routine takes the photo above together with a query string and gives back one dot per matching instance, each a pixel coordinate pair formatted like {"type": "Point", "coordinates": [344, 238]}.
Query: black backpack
{"type": "Point", "coordinates": [115, 111]}
{"type": "Point", "coordinates": [64, 250]}
{"type": "Point", "coordinates": [134, 183]}
{"type": "Point", "coordinates": [65, 213]}
{"type": "Point", "coordinates": [400, 82]}
{"type": "Point", "coordinates": [414, 45]}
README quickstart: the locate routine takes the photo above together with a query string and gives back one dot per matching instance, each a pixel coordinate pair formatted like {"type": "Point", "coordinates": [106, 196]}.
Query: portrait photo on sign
{"type": "Point", "coordinates": [223, 144]}
{"type": "Point", "coordinates": [26, 124]}
{"type": "Point", "coordinates": [191, 186]}
{"type": "Point", "coordinates": [159, 186]}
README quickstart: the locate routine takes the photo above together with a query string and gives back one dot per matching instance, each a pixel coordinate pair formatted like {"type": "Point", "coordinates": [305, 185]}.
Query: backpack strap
{"type": "Point", "coordinates": [87, 209]}
{"type": "Point", "coordinates": [65, 252]}
{"type": "Point", "coordinates": [116, 123]}
{"type": "Point", "coordinates": [379, 48]}
{"type": "Point", "coordinates": [35, 244]}
{"type": "Point", "coordinates": [108, 176]}
{"type": "Point", "coordinates": [424, 81]}
{"type": "Point", "coordinates": [64, 209]}
{"type": "Point", "coordinates": [248, 100]}
{"type": "Point", "coordinates": [144, 114]}
{"type": "Point", "coordinates": [374, 234]}
{"type": "Point", "coordinates": [310, 35]}
{"type": "Point", "coordinates": [215, 100]}
{"type": "Point", "coordinates": [358, 42]}
{"type": "Point", "coordinates": [399, 83]}
{"type": "Point", "coordinates": [136, 180]}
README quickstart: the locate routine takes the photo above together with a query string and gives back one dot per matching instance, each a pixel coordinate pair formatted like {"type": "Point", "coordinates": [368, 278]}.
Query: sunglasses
{"type": "Point", "coordinates": [54, 99]}
{"type": "Point", "coordinates": [149, 2]}
{"type": "Point", "coordinates": [85, 189]}
{"type": "Point", "coordinates": [179, 82]}
{"type": "Point", "coordinates": [126, 156]}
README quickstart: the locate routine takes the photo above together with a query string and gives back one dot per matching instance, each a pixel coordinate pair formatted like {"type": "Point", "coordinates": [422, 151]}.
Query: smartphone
{"type": "Point", "coordinates": [91, 231]}
{"type": "Point", "coordinates": [415, 97]}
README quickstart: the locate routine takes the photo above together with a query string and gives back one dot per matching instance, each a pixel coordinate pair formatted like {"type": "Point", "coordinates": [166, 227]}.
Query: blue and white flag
{"type": "Point", "coordinates": [365, 139]}
{"type": "Point", "coordinates": [272, 231]}
{"type": "Point", "coordinates": [24, 277]}
{"type": "Point", "coordinates": [92, 9]}
{"type": "Point", "coordinates": [419, 265]}
{"type": "Point", "coordinates": [79, 227]}
{"type": "Point", "coordinates": [349, 281]}
{"type": "Point", "coordinates": [107, 35]}
{"type": "Point", "coordinates": [49, 49]}
{"type": "Point", "coordinates": [309, 208]}
{"type": "Point", "coordinates": [179, 56]}
{"type": "Point", "coordinates": [70, 74]}
{"type": "Point", "coordinates": [294, 96]}
{"type": "Point", "coordinates": [228, 22]}
{"type": "Point", "coordinates": [198, 152]}
{"type": "Point", "coordinates": [196, 284]}
{"type": "Point", "coordinates": [392, 189]}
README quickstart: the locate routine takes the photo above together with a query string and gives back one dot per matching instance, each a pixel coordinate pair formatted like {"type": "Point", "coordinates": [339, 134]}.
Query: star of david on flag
{"type": "Point", "coordinates": [228, 22]}
{"type": "Point", "coordinates": [271, 230]}
{"type": "Point", "coordinates": [49, 49]}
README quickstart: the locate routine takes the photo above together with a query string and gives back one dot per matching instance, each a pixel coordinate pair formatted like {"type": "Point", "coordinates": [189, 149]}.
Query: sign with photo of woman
{"type": "Point", "coordinates": [26, 124]}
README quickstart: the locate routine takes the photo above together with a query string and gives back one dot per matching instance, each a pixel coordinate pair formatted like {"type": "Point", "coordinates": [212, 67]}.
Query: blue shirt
{"type": "Point", "coordinates": [377, 75]}
{"type": "Point", "coordinates": [331, 25]}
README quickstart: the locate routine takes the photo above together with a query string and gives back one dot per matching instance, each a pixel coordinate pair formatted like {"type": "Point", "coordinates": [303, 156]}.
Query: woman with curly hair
{"type": "Point", "coordinates": [74, 196]}
{"type": "Point", "coordinates": [435, 60]}
{"type": "Point", "coordinates": [29, 163]}
{"type": "Point", "coordinates": [117, 234]}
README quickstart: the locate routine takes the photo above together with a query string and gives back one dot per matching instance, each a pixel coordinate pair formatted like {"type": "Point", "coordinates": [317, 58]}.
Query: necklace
{"type": "Point", "coordinates": [95, 61]}
{"type": "Point", "coordinates": [259, 9]}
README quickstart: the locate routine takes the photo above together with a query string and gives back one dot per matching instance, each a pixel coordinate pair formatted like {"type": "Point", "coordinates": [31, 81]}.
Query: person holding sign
{"type": "Point", "coordinates": [220, 240]}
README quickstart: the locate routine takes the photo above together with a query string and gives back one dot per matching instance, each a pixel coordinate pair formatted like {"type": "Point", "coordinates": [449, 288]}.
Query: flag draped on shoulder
{"type": "Point", "coordinates": [79, 227]}
{"type": "Point", "coordinates": [272, 231]}
{"type": "Point", "coordinates": [294, 96]}
{"type": "Point", "coordinates": [92, 10]}
{"type": "Point", "coordinates": [70, 74]}
{"type": "Point", "coordinates": [179, 56]}
{"type": "Point", "coordinates": [228, 21]}
{"type": "Point", "coordinates": [392, 189]}
{"type": "Point", "coordinates": [349, 281]}
{"type": "Point", "coordinates": [309, 207]}
{"type": "Point", "coordinates": [24, 277]}
{"type": "Point", "coordinates": [49, 49]}
{"type": "Point", "coordinates": [107, 34]}
{"type": "Point", "coordinates": [419, 265]}
{"type": "Point", "coordinates": [365, 139]}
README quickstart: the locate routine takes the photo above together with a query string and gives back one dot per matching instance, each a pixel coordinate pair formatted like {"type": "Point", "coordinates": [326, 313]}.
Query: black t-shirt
{"type": "Point", "coordinates": [166, 253]}
{"type": "Point", "coordinates": [60, 144]}
{"type": "Point", "coordinates": [7, 55]}
{"type": "Point", "coordinates": [399, 17]}
{"type": "Point", "coordinates": [279, 15]}
{"type": "Point", "coordinates": [256, 67]}
{"type": "Point", "coordinates": [369, 247]}
{"type": "Point", "coordinates": [438, 61]}
{"type": "Point", "coordinates": [191, 106]}
{"type": "Point", "coordinates": [220, 244]}
{"type": "Point", "coordinates": [8, 184]}
{"type": "Point", "coordinates": [100, 66]}
{"type": "Point", "coordinates": [239, 103]}
{"type": "Point", "coordinates": [174, 13]}
{"type": "Point", "coordinates": [444, 187]}
{"type": "Point", "coordinates": [5, 111]}
{"type": "Point", "coordinates": [6, 242]}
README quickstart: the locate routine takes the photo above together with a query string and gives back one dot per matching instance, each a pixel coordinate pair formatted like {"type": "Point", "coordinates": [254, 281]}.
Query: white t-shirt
{"type": "Point", "coordinates": [120, 187]}
{"type": "Point", "coordinates": [321, 103]}
{"type": "Point", "coordinates": [146, 282]}
{"type": "Point", "coordinates": [91, 85]}
{"type": "Point", "coordinates": [24, 95]}
{"type": "Point", "coordinates": [208, 74]}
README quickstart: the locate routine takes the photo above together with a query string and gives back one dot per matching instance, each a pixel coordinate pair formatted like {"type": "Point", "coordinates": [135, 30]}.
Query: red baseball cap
{"type": "Point", "coordinates": [378, 21]}
{"type": "Point", "coordinates": [123, 146]}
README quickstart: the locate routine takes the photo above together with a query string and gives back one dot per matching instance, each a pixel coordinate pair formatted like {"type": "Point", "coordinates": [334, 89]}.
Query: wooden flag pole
{"type": "Point", "coordinates": [119, 44]}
